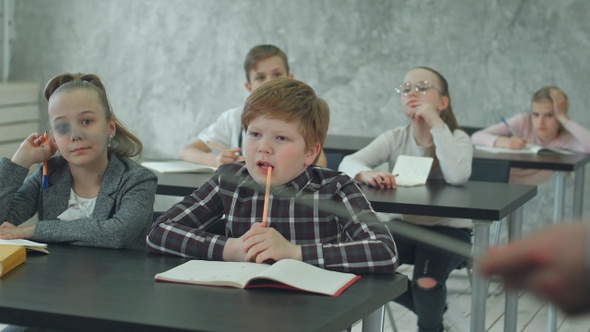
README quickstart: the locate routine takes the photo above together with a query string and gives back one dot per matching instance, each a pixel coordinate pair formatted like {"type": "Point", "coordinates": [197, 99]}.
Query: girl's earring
{"type": "Point", "coordinates": [110, 139]}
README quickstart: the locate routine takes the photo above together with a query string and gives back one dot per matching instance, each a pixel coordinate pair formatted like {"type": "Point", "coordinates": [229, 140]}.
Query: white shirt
{"type": "Point", "coordinates": [78, 207]}
{"type": "Point", "coordinates": [226, 131]}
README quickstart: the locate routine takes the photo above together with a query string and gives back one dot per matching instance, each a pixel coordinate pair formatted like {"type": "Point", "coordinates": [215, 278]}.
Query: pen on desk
{"type": "Point", "coordinates": [44, 179]}
{"type": "Point", "coordinates": [266, 194]}
{"type": "Point", "coordinates": [508, 126]}
{"type": "Point", "coordinates": [217, 146]}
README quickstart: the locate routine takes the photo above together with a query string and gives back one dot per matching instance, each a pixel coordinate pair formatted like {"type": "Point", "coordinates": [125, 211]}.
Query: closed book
{"type": "Point", "coordinates": [10, 257]}
{"type": "Point", "coordinates": [286, 273]}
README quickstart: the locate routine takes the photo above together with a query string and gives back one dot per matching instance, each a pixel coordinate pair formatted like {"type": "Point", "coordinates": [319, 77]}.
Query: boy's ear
{"type": "Point", "coordinates": [312, 154]}
{"type": "Point", "coordinates": [248, 86]}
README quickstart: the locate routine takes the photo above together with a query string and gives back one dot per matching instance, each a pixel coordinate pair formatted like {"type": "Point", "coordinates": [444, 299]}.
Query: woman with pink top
{"type": "Point", "coordinates": [547, 124]}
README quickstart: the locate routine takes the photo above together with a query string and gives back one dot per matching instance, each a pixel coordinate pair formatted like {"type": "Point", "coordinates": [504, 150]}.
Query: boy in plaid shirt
{"type": "Point", "coordinates": [315, 215]}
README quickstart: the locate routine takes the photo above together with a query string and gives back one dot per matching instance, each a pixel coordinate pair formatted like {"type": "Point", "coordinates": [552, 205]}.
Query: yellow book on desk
{"type": "Point", "coordinates": [286, 273]}
{"type": "Point", "coordinates": [527, 149]}
{"type": "Point", "coordinates": [10, 257]}
{"type": "Point", "coordinates": [177, 166]}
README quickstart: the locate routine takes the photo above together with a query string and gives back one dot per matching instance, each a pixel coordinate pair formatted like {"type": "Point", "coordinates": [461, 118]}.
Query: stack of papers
{"type": "Point", "coordinates": [177, 166]}
{"type": "Point", "coordinates": [29, 245]}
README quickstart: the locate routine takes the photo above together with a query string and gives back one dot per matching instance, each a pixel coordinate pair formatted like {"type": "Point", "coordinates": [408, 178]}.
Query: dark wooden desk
{"type": "Point", "coordinates": [92, 289]}
{"type": "Point", "coordinates": [558, 163]}
{"type": "Point", "coordinates": [473, 200]}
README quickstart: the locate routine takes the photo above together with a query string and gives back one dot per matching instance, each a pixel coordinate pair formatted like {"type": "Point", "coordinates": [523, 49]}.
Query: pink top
{"type": "Point", "coordinates": [575, 138]}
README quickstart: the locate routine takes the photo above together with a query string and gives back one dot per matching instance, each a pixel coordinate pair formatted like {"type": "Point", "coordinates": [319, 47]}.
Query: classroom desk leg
{"type": "Point", "coordinates": [479, 287]}
{"type": "Point", "coordinates": [511, 306]}
{"type": "Point", "coordinates": [558, 212]}
{"type": "Point", "coordinates": [374, 321]}
{"type": "Point", "coordinates": [578, 192]}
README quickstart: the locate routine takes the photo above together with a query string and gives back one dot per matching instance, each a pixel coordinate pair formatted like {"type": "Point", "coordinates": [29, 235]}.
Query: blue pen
{"type": "Point", "coordinates": [508, 126]}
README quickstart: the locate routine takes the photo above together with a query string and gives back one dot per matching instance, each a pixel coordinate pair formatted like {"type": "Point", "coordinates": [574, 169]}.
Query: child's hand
{"type": "Point", "coordinates": [265, 243]}
{"type": "Point", "coordinates": [229, 156]}
{"type": "Point", "coordinates": [427, 113]}
{"type": "Point", "coordinates": [233, 251]}
{"type": "Point", "coordinates": [10, 232]}
{"type": "Point", "coordinates": [378, 179]}
{"type": "Point", "coordinates": [33, 150]}
{"type": "Point", "coordinates": [513, 143]}
{"type": "Point", "coordinates": [560, 105]}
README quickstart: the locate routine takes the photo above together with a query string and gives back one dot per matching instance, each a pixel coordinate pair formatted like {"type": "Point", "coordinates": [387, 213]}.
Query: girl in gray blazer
{"type": "Point", "coordinates": [90, 193]}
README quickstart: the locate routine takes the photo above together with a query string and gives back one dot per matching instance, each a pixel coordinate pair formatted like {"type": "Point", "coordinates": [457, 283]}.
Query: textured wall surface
{"type": "Point", "coordinates": [171, 67]}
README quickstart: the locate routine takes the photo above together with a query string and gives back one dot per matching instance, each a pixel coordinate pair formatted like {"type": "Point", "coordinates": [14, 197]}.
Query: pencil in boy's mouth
{"type": "Point", "coordinates": [264, 165]}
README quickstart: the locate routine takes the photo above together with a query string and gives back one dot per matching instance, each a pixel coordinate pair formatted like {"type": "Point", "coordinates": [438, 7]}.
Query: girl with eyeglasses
{"type": "Point", "coordinates": [432, 132]}
{"type": "Point", "coordinates": [547, 124]}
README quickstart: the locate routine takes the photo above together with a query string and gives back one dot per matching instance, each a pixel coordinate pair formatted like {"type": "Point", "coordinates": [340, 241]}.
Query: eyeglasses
{"type": "Point", "coordinates": [420, 87]}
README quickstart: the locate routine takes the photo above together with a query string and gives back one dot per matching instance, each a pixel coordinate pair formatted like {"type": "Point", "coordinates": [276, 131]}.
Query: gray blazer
{"type": "Point", "coordinates": [122, 215]}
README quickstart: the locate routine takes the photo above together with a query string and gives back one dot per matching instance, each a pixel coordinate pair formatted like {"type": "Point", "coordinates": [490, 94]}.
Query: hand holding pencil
{"type": "Point", "coordinates": [227, 156]}
{"type": "Point", "coordinates": [264, 244]}
{"type": "Point", "coordinates": [513, 142]}
{"type": "Point", "coordinates": [33, 150]}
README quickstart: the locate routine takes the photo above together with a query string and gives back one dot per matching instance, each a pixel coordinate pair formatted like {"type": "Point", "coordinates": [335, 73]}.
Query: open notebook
{"type": "Point", "coordinates": [285, 273]}
{"type": "Point", "coordinates": [527, 149]}
{"type": "Point", "coordinates": [177, 166]}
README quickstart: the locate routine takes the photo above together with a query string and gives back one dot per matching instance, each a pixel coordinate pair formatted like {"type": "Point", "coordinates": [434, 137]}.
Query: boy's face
{"type": "Point", "coordinates": [266, 70]}
{"type": "Point", "coordinates": [280, 144]}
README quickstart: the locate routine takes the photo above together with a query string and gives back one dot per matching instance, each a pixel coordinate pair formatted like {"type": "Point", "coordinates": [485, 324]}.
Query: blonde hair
{"type": "Point", "coordinates": [290, 100]}
{"type": "Point", "coordinates": [124, 143]}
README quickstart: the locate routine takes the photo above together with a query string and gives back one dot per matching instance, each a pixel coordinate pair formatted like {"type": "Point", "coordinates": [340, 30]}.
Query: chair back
{"type": "Point", "coordinates": [334, 159]}
{"type": "Point", "coordinates": [470, 130]}
{"type": "Point", "coordinates": [489, 170]}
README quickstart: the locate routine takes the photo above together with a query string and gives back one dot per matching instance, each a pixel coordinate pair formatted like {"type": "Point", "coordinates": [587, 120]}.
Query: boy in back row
{"type": "Point", "coordinates": [315, 215]}
{"type": "Point", "coordinates": [263, 63]}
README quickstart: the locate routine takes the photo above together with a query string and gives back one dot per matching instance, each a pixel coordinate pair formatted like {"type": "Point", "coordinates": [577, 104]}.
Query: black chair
{"type": "Point", "coordinates": [470, 130]}
{"type": "Point", "coordinates": [489, 170]}
{"type": "Point", "coordinates": [334, 159]}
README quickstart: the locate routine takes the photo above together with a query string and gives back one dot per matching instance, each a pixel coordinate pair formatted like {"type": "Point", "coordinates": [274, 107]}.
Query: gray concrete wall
{"type": "Point", "coordinates": [171, 67]}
